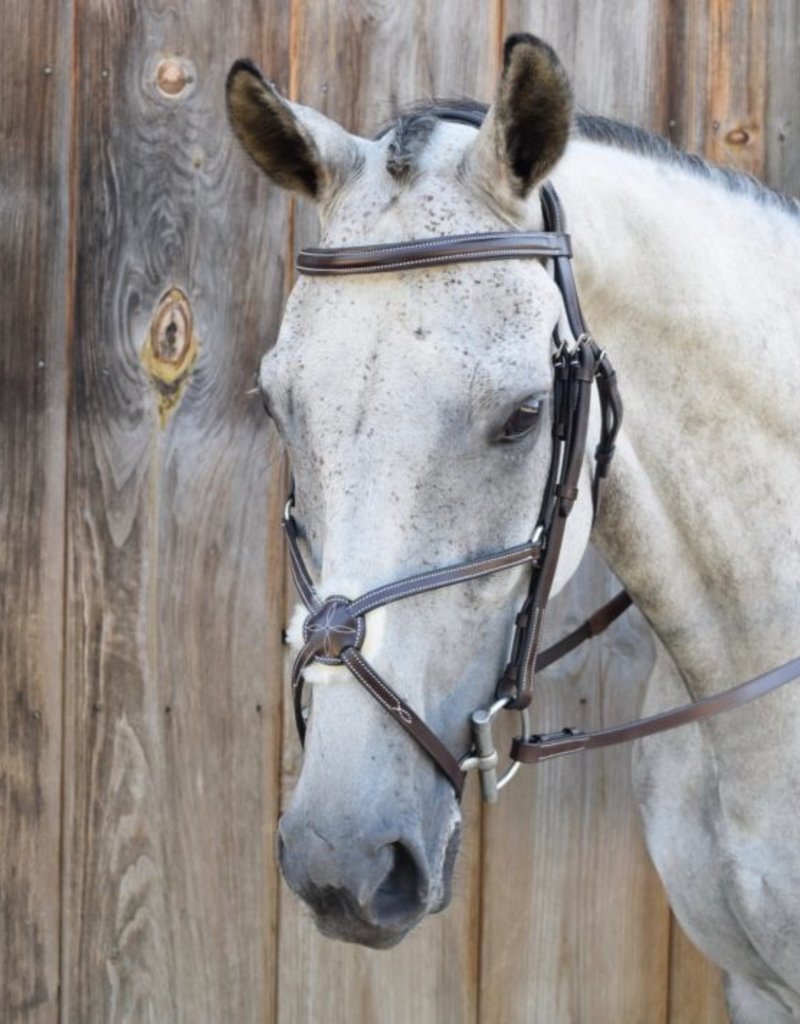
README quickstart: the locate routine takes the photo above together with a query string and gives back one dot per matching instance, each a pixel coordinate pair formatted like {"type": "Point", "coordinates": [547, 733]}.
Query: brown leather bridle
{"type": "Point", "coordinates": [335, 627]}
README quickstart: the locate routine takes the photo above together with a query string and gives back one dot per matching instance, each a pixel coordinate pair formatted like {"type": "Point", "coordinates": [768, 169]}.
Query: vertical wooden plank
{"type": "Point", "coordinates": [782, 135]}
{"type": "Point", "coordinates": [696, 993]}
{"type": "Point", "coordinates": [35, 114]}
{"type": "Point", "coordinates": [379, 56]}
{"type": "Point", "coordinates": [717, 80]}
{"type": "Point", "coordinates": [172, 644]}
{"type": "Point", "coordinates": [737, 84]}
{"type": "Point", "coordinates": [614, 52]}
{"type": "Point", "coordinates": [687, 71]}
{"type": "Point", "coordinates": [358, 63]}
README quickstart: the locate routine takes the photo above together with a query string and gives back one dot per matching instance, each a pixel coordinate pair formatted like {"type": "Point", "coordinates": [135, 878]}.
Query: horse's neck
{"type": "Point", "coordinates": [693, 290]}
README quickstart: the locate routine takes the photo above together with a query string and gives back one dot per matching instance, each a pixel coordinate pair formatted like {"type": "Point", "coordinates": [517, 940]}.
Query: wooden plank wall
{"type": "Point", "coordinates": [144, 744]}
{"type": "Point", "coordinates": [34, 339]}
{"type": "Point", "coordinates": [172, 628]}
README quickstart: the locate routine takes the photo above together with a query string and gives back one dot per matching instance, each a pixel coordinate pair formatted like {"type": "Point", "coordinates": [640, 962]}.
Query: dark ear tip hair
{"type": "Point", "coordinates": [526, 39]}
{"type": "Point", "coordinates": [247, 65]}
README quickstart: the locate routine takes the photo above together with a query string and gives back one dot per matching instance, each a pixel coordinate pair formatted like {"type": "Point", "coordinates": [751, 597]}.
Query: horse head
{"type": "Point", "coordinates": [416, 410]}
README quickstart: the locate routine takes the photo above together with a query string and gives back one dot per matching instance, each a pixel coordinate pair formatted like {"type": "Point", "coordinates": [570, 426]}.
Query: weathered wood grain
{"type": "Point", "coordinates": [717, 80]}
{"type": "Point", "coordinates": [35, 96]}
{"type": "Point", "coordinates": [362, 62]}
{"type": "Point", "coordinates": [173, 631]}
{"type": "Point", "coordinates": [696, 994]}
{"type": "Point", "coordinates": [614, 52]}
{"type": "Point", "coordinates": [782, 126]}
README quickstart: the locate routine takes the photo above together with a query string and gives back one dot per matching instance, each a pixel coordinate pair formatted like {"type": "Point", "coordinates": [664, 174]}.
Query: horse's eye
{"type": "Point", "coordinates": [521, 421]}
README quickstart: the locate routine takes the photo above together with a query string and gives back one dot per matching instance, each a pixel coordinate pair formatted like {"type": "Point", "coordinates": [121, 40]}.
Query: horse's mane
{"type": "Point", "coordinates": [593, 128]}
{"type": "Point", "coordinates": [636, 140]}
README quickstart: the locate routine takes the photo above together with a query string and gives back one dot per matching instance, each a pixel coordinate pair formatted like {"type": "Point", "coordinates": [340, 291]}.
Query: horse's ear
{"type": "Point", "coordinates": [295, 146]}
{"type": "Point", "coordinates": [527, 127]}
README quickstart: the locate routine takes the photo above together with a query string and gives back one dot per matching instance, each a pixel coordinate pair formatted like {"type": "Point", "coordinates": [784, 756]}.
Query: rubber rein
{"type": "Point", "coordinates": [335, 627]}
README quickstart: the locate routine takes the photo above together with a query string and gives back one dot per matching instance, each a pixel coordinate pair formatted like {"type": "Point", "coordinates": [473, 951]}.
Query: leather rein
{"type": "Point", "coordinates": [335, 628]}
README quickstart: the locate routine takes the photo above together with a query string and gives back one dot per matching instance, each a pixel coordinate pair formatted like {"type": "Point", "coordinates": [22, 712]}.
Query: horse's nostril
{"type": "Point", "coordinates": [401, 892]}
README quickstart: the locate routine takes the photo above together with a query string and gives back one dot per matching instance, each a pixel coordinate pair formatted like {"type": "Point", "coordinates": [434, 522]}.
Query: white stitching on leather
{"type": "Point", "coordinates": [457, 257]}
{"type": "Point", "coordinates": [376, 681]}
{"type": "Point", "coordinates": [533, 646]}
{"type": "Point", "coordinates": [482, 568]}
{"type": "Point", "coordinates": [302, 580]}
{"type": "Point", "coordinates": [526, 240]}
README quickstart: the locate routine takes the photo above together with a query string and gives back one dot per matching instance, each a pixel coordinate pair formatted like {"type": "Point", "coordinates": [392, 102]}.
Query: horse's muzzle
{"type": "Point", "coordinates": [369, 893]}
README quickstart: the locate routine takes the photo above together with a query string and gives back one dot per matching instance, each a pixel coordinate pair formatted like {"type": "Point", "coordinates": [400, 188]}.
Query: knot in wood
{"type": "Point", "coordinates": [737, 137]}
{"type": "Point", "coordinates": [170, 349]}
{"type": "Point", "coordinates": [173, 75]}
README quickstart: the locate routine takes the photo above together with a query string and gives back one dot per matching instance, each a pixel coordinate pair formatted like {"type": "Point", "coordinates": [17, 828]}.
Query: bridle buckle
{"type": "Point", "coordinates": [484, 757]}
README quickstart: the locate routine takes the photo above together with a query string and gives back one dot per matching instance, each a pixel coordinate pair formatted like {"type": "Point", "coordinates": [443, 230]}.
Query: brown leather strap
{"type": "Point", "coordinates": [555, 221]}
{"type": "Point", "coordinates": [523, 554]}
{"type": "Point", "coordinates": [306, 656]}
{"type": "Point", "coordinates": [420, 583]}
{"type": "Point", "coordinates": [533, 749]}
{"type": "Point", "coordinates": [574, 372]}
{"type": "Point", "coordinates": [406, 716]}
{"type": "Point", "coordinates": [300, 574]}
{"type": "Point", "coordinates": [378, 688]}
{"type": "Point", "coordinates": [422, 252]}
{"type": "Point", "coordinates": [594, 625]}
{"type": "Point", "coordinates": [610, 422]}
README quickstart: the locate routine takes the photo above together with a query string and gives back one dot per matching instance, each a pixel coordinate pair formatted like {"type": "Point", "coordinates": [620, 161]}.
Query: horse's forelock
{"type": "Point", "coordinates": [413, 127]}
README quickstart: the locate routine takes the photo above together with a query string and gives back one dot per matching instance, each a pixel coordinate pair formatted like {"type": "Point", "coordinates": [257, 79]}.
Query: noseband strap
{"type": "Point", "coordinates": [334, 633]}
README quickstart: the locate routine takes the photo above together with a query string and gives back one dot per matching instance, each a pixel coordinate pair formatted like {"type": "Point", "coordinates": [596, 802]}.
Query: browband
{"type": "Point", "coordinates": [372, 259]}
